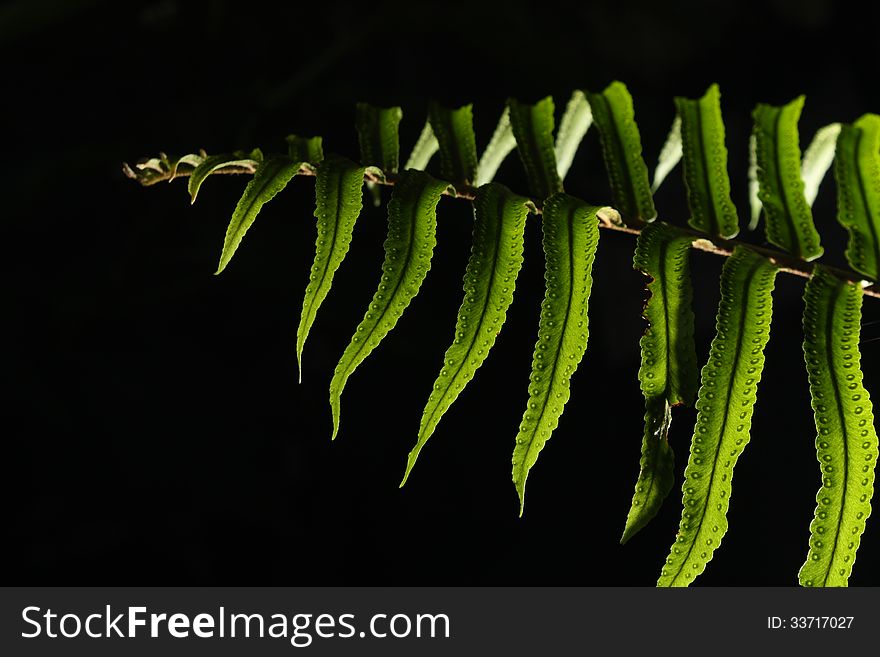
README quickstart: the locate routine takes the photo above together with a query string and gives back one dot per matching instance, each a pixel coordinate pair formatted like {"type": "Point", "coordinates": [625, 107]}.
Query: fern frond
{"type": "Point", "coordinates": [454, 130]}
{"type": "Point", "coordinates": [494, 264]}
{"type": "Point", "coordinates": [705, 165]}
{"type": "Point", "coordinates": [817, 159]}
{"type": "Point", "coordinates": [668, 373]}
{"type": "Point", "coordinates": [424, 149]}
{"type": "Point", "coordinates": [571, 235]}
{"type": "Point", "coordinates": [857, 171]}
{"type": "Point", "coordinates": [412, 235]}
{"type": "Point", "coordinates": [846, 443]}
{"type": "Point", "coordinates": [305, 149]}
{"type": "Point", "coordinates": [213, 163]}
{"type": "Point", "coordinates": [574, 125]}
{"type": "Point", "coordinates": [339, 200]}
{"type": "Point", "coordinates": [378, 135]}
{"type": "Point", "coordinates": [670, 154]}
{"type": "Point", "coordinates": [499, 148]}
{"type": "Point", "coordinates": [271, 176]}
{"type": "Point", "coordinates": [789, 223]}
{"type": "Point", "coordinates": [533, 129]}
{"type": "Point", "coordinates": [622, 151]}
{"type": "Point", "coordinates": [725, 404]}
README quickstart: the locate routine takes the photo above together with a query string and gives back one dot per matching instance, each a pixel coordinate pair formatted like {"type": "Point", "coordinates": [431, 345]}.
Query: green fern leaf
{"type": "Point", "coordinates": [725, 405]}
{"type": "Point", "coordinates": [533, 129]}
{"type": "Point", "coordinates": [454, 130]}
{"type": "Point", "coordinates": [571, 235]}
{"type": "Point", "coordinates": [186, 164]}
{"type": "Point", "coordinates": [213, 163]}
{"type": "Point", "coordinates": [272, 175]}
{"type": "Point", "coordinates": [817, 160]}
{"type": "Point", "coordinates": [789, 222]}
{"type": "Point", "coordinates": [705, 165]}
{"type": "Point", "coordinates": [305, 149]}
{"type": "Point", "coordinates": [412, 230]}
{"type": "Point", "coordinates": [574, 125]}
{"type": "Point", "coordinates": [754, 185]}
{"type": "Point", "coordinates": [499, 148]}
{"type": "Point", "coordinates": [378, 135]}
{"type": "Point", "coordinates": [670, 154]}
{"type": "Point", "coordinates": [622, 150]}
{"type": "Point", "coordinates": [846, 443]}
{"type": "Point", "coordinates": [489, 281]}
{"type": "Point", "coordinates": [668, 373]}
{"type": "Point", "coordinates": [857, 171]}
{"type": "Point", "coordinates": [339, 200]}
{"type": "Point", "coordinates": [424, 149]}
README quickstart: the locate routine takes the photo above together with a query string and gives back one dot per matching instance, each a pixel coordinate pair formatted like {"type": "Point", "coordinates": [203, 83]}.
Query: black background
{"type": "Point", "coordinates": [156, 433]}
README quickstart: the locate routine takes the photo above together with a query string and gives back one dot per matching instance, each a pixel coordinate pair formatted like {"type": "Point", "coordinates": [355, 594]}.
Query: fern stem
{"type": "Point", "coordinates": [702, 241]}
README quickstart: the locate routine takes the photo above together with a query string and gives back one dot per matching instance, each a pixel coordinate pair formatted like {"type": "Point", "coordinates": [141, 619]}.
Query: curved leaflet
{"type": "Point", "coordinates": [705, 165]}
{"type": "Point", "coordinates": [622, 151]}
{"type": "Point", "coordinates": [499, 147]}
{"type": "Point", "coordinates": [571, 235]}
{"type": "Point", "coordinates": [306, 149]}
{"type": "Point", "coordinates": [668, 373]}
{"type": "Point", "coordinates": [339, 199]}
{"type": "Point", "coordinates": [489, 281]}
{"type": "Point", "coordinates": [213, 163]}
{"type": "Point", "coordinates": [789, 223]}
{"type": "Point", "coordinates": [533, 129]}
{"type": "Point", "coordinates": [574, 125]}
{"type": "Point", "coordinates": [412, 230]}
{"type": "Point", "coordinates": [378, 135]}
{"type": "Point", "coordinates": [817, 159]}
{"type": "Point", "coordinates": [724, 412]}
{"type": "Point", "coordinates": [424, 149]}
{"type": "Point", "coordinates": [670, 154]}
{"type": "Point", "coordinates": [454, 130]}
{"type": "Point", "coordinates": [271, 177]}
{"type": "Point", "coordinates": [857, 170]}
{"type": "Point", "coordinates": [846, 443]}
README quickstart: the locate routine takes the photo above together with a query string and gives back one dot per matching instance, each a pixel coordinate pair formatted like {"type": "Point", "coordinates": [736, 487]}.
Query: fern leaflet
{"type": "Point", "coordinates": [489, 281]}
{"type": "Point", "coordinates": [499, 148]}
{"type": "Point", "coordinates": [378, 135]}
{"type": "Point", "coordinates": [857, 171]}
{"type": "Point", "coordinates": [305, 149]}
{"type": "Point", "coordinates": [725, 405]}
{"type": "Point", "coordinates": [212, 163]}
{"type": "Point", "coordinates": [789, 222]}
{"type": "Point", "coordinates": [705, 165]}
{"type": "Point", "coordinates": [846, 442]}
{"type": "Point", "coordinates": [670, 154]}
{"type": "Point", "coordinates": [454, 130]}
{"type": "Point", "coordinates": [574, 125]}
{"type": "Point", "coordinates": [622, 151]}
{"type": "Point", "coordinates": [412, 235]}
{"type": "Point", "coordinates": [668, 373]}
{"type": "Point", "coordinates": [571, 235]}
{"type": "Point", "coordinates": [817, 160]}
{"type": "Point", "coordinates": [533, 129]}
{"type": "Point", "coordinates": [339, 199]}
{"type": "Point", "coordinates": [424, 149]}
{"type": "Point", "coordinates": [272, 175]}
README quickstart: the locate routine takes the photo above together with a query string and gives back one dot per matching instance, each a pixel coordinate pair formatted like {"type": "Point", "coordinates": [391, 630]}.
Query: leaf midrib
{"type": "Point", "coordinates": [620, 155]}
{"type": "Point", "coordinates": [552, 380]}
{"type": "Point", "coordinates": [714, 221]}
{"type": "Point", "coordinates": [829, 343]}
{"type": "Point", "coordinates": [863, 192]}
{"type": "Point", "coordinates": [795, 241]}
{"type": "Point", "coordinates": [739, 343]}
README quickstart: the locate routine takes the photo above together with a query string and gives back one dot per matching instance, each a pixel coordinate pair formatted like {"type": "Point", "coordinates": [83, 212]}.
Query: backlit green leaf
{"type": "Point", "coordinates": [670, 154]}
{"type": "Point", "coordinates": [668, 373]}
{"type": "Point", "coordinates": [705, 165]}
{"type": "Point", "coordinates": [574, 125]}
{"type": "Point", "coordinates": [846, 443]}
{"type": "Point", "coordinates": [499, 147]}
{"type": "Point", "coordinates": [271, 177]}
{"type": "Point", "coordinates": [622, 151]}
{"type": "Point", "coordinates": [817, 159]}
{"type": "Point", "coordinates": [305, 149]}
{"type": "Point", "coordinates": [489, 281]}
{"type": "Point", "coordinates": [724, 412]}
{"type": "Point", "coordinates": [339, 199]}
{"type": "Point", "coordinates": [533, 129]}
{"type": "Point", "coordinates": [857, 171]}
{"type": "Point", "coordinates": [789, 223]}
{"type": "Point", "coordinates": [412, 228]}
{"type": "Point", "coordinates": [424, 149]}
{"type": "Point", "coordinates": [214, 163]}
{"type": "Point", "coordinates": [454, 130]}
{"type": "Point", "coordinates": [571, 235]}
{"type": "Point", "coordinates": [377, 129]}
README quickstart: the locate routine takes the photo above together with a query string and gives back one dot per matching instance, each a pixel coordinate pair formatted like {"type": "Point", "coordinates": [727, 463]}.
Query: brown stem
{"type": "Point", "coordinates": [702, 241]}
